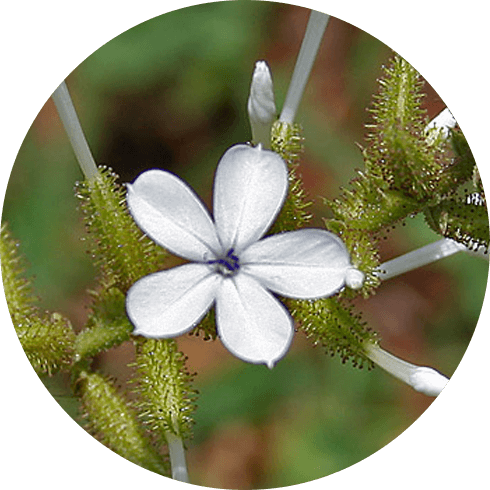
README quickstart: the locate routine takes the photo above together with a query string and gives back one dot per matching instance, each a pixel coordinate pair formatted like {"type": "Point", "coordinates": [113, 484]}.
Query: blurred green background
{"type": "Point", "coordinates": [171, 93]}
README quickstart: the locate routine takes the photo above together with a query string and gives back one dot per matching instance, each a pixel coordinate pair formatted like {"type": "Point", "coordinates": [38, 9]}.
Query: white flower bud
{"type": "Point", "coordinates": [261, 104]}
{"type": "Point", "coordinates": [427, 381]}
{"type": "Point", "coordinates": [422, 379]}
{"type": "Point", "coordinates": [354, 278]}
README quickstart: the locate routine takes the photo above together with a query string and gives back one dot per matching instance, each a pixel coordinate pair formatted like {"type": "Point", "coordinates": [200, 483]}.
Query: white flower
{"type": "Point", "coordinates": [231, 266]}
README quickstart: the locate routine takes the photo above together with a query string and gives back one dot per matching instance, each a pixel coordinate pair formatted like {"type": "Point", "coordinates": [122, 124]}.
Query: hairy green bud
{"type": "Point", "coordinates": [47, 339]}
{"type": "Point", "coordinates": [120, 249]}
{"type": "Point", "coordinates": [111, 420]}
{"type": "Point", "coordinates": [334, 326]}
{"type": "Point", "coordinates": [163, 384]}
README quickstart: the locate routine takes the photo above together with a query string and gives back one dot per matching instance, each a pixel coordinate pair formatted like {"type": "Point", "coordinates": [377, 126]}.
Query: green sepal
{"type": "Point", "coordinates": [206, 327]}
{"type": "Point", "coordinates": [457, 168]}
{"type": "Point", "coordinates": [364, 256]}
{"type": "Point", "coordinates": [47, 338]}
{"type": "Point", "coordinates": [464, 222]}
{"type": "Point", "coordinates": [369, 205]}
{"type": "Point", "coordinates": [107, 325]}
{"type": "Point", "coordinates": [464, 159]}
{"type": "Point", "coordinates": [288, 142]}
{"type": "Point", "coordinates": [112, 421]}
{"type": "Point", "coordinates": [166, 399]}
{"type": "Point", "coordinates": [477, 183]}
{"type": "Point", "coordinates": [400, 150]}
{"type": "Point", "coordinates": [48, 342]}
{"type": "Point", "coordinates": [18, 290]}
{"type": "Point", "coordinates": [335, 327]}
{"type": "Point", "coordinates": [121, 251]}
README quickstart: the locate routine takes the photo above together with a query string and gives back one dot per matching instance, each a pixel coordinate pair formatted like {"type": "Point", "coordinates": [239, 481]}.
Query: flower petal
{"type": "Point", "coordinates": [252, 324]}
{"type": "Point", "coordinates": [249, 189]}
{"type": "Point", "coordinates": [309, 263]}
{"type": "Point", "coordinates": [169, 211]}
{"type": "Point", "coordinates": [171, 302]}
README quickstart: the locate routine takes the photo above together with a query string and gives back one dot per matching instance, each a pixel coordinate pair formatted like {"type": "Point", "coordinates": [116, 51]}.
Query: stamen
{"type": "Point", "coordinates": [231, 256]}
{"type": "Point", "coordinates": [229, 265]}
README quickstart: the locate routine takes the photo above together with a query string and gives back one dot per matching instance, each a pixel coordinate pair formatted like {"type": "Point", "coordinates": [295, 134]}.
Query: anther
{"type": "Point", "coordinates": [228, 265]}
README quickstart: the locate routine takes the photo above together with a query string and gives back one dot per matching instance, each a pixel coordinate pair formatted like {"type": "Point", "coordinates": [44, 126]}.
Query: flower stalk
{"type": "Point", "coordinates": [177, 457]}
{"type": "Point", "coordinates": [315, 29]}
{"type": "Point", "coordinates": [71, 123]}
{"type": "Point", "coordinates": [418, 258]}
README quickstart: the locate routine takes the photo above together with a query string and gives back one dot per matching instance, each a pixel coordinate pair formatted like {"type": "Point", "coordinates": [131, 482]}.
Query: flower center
{"type": "Point", "coordinates": [227, 266]}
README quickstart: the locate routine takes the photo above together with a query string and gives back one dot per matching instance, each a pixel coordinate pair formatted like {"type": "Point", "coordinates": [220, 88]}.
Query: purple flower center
{"type": "Point", "coordinates": [229, 265]}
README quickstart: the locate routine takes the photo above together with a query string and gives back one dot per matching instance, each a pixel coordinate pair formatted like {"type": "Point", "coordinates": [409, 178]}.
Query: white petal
{"type": "Point", "coordinates": [309, 263]}
{"type": "Point", "coordinates": [169, 211]}
{"type": "Point", "coordinates": [252, 324]}
{"type": "Point", "coordinates": [249, 189]}
{"type": "Point", "coordinates": [169, 303]}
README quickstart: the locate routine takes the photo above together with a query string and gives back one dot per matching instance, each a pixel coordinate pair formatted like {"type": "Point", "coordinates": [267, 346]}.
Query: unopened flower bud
{"type": "Point", "coordinates": [261, 105]}
{"type": "Point", "coordinates": [354, 278]}
{"type": "Point", "coordinates": [422, 379]}
{"type": "Point", "coordinates": [427, 381]}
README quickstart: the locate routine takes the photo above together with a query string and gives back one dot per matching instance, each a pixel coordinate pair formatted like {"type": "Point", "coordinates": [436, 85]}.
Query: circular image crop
{"type": "Point", "coordinates": [244, 245]}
